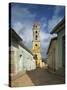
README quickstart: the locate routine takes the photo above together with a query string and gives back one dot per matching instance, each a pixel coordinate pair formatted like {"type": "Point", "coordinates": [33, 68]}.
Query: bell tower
{"type": "Point", "coordinates": [36, 45]}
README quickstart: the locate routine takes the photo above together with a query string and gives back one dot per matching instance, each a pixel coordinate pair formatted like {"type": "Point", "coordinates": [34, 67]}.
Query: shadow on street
{"type": "Point", "coordinates": [43, 77]}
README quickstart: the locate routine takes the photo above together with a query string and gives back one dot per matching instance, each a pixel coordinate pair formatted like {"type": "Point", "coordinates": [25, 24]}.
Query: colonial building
{"type": "Point", "coordinates": [20, 57]}
{"type": "Point", "coordinates": [56, 50]}
{"type": "Point", "coordinates": [51, 61]}
{"type": "Point", "coordinates": [36, 45]}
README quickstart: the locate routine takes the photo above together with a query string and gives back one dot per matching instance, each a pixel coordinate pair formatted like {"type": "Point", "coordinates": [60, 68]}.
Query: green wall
{"type": "Point", "coordinates": [60, 48]}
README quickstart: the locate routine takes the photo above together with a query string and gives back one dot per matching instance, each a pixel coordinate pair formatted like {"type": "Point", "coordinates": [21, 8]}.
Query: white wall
{"type": "Point", "coordinates": [28, 61]}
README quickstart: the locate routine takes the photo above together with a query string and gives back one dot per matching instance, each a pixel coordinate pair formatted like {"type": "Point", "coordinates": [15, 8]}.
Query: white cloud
{"type": "Point", "coordinates": [45, 41]}
{"type": "Point", "coordinates": [43, 19]}
{"type": "Point", "coordinates": [18, 26]}
{"type": "Point", "coordinates": [55, 19]}
{"type": "Point", "coordinates": [53, 22]}
{"type": "Point", "coordinates": [21, 14]}
{"type": "Point", "coordinates": [28, 35]}
{"type": "Point", "coordinates": [26, 13]}
{"type": "Point", "coordinates": [58, 9]}
{"type": "Point", "coordinates": [25, 32]}
{"type": "Point", "coordinates": [22, 20]}
{"type": "Point", "coordinates": [44, 25]}
{"type": "Point", "coordinates": [44, 35]}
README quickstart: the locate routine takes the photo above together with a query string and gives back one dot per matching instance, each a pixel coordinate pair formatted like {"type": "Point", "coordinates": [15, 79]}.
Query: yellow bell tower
{"type": "Point", "coordinates": [36, 45]}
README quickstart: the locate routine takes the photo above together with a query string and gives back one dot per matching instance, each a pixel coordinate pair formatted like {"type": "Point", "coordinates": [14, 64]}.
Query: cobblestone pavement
{"type": "Point", "coordinates": [38, 77]}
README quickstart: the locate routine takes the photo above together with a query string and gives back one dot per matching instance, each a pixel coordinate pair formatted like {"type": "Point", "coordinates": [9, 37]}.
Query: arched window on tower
{"type": "Point", "coordinates": [35, 44]}
{"type": "Point", "coordinates": [36, 37]}
{"type": "Point", "coordinates": [36, 31]}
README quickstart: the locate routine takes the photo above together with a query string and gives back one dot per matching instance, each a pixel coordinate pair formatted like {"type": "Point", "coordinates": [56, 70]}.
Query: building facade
{"type": "Point", "coordinates": [20, 57]}
{"type": "Point", "coordinates": [57, 48]}
{"type": "Point", "coordinates": [52, 51]}
{"type": "Point", "coordinates": [36, 45]}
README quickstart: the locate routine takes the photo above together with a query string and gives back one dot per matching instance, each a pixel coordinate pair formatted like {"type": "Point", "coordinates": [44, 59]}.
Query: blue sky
{"type": "Point", "coordinates": [23, 16]}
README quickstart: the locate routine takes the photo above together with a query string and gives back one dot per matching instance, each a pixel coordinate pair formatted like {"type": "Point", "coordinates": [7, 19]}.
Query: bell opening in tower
{"type": "Point", "coordinates": [35, 44]}
{"type": "Point", "coordinates": [36, 37]}
{"type": "Point", "coordinates": [36, 31]}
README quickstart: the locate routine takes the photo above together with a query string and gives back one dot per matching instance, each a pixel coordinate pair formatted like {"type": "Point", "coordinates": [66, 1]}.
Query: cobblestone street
{"type": "Point", "coordinates": [38, 77]}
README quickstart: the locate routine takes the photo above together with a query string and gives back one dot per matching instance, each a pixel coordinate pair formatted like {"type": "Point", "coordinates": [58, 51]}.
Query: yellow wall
{"type": "Point", "coordinates": [36, 49]}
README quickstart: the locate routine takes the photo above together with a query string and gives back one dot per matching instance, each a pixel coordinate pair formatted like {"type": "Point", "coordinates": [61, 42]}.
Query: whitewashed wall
{"type": "Point", "coordinates": [23, 60]}
{"type": "Point", "coordinates": [15, 56]}
{"type": "Point", "coordinates": [28, 62]}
